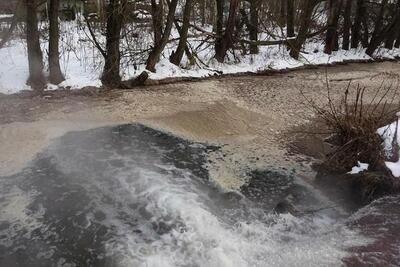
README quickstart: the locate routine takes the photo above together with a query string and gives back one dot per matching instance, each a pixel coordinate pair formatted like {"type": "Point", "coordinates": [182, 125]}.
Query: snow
{"type": "Point", "coordinates": [389, 133]}
{"type": "Point", "coordinates": [6, 16]}
{"type": "Point", "coordinates": [82, 63]}
{"type": "Point", "coordinates": [359, 168]}
{"type": "Point", "coordinates": [13, 68]}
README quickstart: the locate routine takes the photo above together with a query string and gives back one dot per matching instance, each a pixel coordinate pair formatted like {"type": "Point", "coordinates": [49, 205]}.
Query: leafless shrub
{"type": "Point", "coordinates": [353, 122]}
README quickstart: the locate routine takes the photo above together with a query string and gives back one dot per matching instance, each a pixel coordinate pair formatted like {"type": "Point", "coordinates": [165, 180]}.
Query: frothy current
{"type": "Point", "coordinates": [133, 196]}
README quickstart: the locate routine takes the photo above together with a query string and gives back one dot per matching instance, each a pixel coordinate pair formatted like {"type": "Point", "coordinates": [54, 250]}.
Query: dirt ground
{"type": "Point", "coordinates": [251, 117]}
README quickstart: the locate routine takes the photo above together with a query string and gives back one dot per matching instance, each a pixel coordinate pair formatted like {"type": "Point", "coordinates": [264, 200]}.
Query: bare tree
{"type": "Point", "coordinates": [176, 56]}
{"type": "Point", "coordinates": [157, 15]}
{"type": "Point", "coordinates": [35, 57]}
{"type": "Point", "coordinates": [305, 21]}
{"type": "Point", "coordinates": [253, 25]}
{"type": "Point", "coordinates": [159, 45]}
{"type": "Point", "coordinates": [290, 12]}
{"type": "Point", "coordinates": [56, 75]}
{"type": "Point", "coordinates": [219, 26]}
{"type": "Point", "coordinates": [115, 20]}
{"type": "Point", "coordinates": [356, 29]}
{"type": "Point", "coordinates": [226, 41]}
{"type": "Point", "coordinates": [331, 40]}
{"type": "Point", "coordinates": [393, 28]}
{"type": "Point", "coordinates": [377, 35]}
{"type": "Point", "coordinates": [347, 24]}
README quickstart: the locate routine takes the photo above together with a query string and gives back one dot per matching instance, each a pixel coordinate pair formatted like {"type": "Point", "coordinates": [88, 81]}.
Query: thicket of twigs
{"type": "Point", "coordinates": [353, 121]}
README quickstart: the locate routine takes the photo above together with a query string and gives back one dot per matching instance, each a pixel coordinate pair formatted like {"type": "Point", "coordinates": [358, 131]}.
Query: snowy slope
{"type": "Point", "coordinates": [82, 63]}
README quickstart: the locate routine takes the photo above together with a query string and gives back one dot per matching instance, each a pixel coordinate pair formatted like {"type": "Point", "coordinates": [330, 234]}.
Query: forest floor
{"type": "Point", "coordinates": [253, 118]}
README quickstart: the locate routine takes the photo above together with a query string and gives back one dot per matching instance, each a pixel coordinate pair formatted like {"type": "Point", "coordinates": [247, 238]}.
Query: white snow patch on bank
{"type": "Point", "coordinates": [359, 168]}
{"type": "Point", "coordinates": [13, 68]}
{"type": "Point", "coordinates": [6, 16]}
{"type": "Point", "coordinates": [390, 135]}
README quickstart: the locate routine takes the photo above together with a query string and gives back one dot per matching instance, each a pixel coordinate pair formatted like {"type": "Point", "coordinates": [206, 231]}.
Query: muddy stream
{"type": "Point", "coordinates": [191, 174]}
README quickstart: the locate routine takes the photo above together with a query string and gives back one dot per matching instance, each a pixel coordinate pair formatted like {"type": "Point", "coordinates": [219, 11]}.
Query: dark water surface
{"type": "Point", "coordinates": [133, 196]}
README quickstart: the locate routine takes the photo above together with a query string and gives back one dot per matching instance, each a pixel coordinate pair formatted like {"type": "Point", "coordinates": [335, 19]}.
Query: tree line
{"type": "Point", "coordinates": [235, 26]}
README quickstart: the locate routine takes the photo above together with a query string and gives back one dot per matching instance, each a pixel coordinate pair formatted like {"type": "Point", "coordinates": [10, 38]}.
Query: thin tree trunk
{"type": "Point", "coordinates": [393, 29]}
{"type": "Point", "coordinates": [157, 11]}
{"type": "Point", "coordinates": [307, 11]}
{"type": "Point", "coordinates": [203, 12]}
{"type": "Point", "coordinates": [331, 40]}
{"type": "Point", "coordinates": [35, 57]}
{"type": "Point", "coordinates": [365, 35]}
{"type": "Point", "coordinates": [355, 31]}
{"type": "Point", "coordinates": [282, 13]}
{"type": "Point", "coordinates": [290, 18]}
{"type": "Point", "coordinates": [176, 56]}
{"type": "Point", "coordinates": [376, 38]}
{"type": "Point", "coordinates": [56, 75]}
{"type": "Point", "coordinates": [347, 25]}
{"type": "Point", "coordinates": [154, 55]}
{"type": "Point", "coordinates": [219, 26]}
{"type": "Point", "coordinates": [253, 26]}
{"type": "Point", "coordinates": [111, 72]}
{"type": "Point", "coordinates": [397, 42]}
{"type": "Point", "coordinates": [227, 40]}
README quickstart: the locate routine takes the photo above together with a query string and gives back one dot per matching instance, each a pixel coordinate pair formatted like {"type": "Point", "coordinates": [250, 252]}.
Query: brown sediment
{"type": "Point", "coordinates": [248, 116]}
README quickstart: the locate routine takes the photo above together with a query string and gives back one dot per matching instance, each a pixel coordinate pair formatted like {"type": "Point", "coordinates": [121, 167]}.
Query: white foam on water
{"type": "Point", "coordinates": [204, 239]}
{"type": "Point", "coordinates": [195, 227]}
{"type": "Point", "coordinates": [14, 211]}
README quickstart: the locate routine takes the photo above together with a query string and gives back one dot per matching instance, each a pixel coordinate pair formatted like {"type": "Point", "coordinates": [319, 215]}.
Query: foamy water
{"type": "Point", "coordinates": [132, 196]}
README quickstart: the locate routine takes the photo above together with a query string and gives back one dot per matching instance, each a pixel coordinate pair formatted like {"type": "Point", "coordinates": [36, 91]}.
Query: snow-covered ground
{"type": "Point", "coordinates": [390, 135]}
{"type": "Point", "coordinates": [82, 63]}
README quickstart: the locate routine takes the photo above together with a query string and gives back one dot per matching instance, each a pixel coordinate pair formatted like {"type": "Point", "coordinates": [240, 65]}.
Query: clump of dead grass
{"type": "Point", "coordinates": [352, 121]}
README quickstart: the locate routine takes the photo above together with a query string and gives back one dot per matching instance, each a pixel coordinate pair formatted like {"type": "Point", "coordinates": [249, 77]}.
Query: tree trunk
{"type": "Point", "coordinates": [157, 11]}
{"type": "Point", "coordinates": [154, 55]}
{"type": "Point", "coordinates": [355, 31]}
{"type": "Point", "coordinates": [347, 25]}
{"type": "Point", "coordinates": [282, 13]}
{"type": "Point", "coordinates": [219, 26]}
{"type": "Point", "coordinates": [377, 35]}
{"type": "Point", "coordinates": [393, 29]}
{"type": "Point", "coordinates": [35, 58]}
{"type": "Point", "coordinates": [176, 56]}
{"type": "Point", "coordinates": [111, 72]}
{"type": "Point", "coordinates": [253, 26]}
{"type": "Point", "coordinates": [227, 40]}
{"type": "Point", "coordinates": [203, 12]}
{"type": "Point", "coordinates": [307, 11]}
{"type": "Point", "coordinates": [56, 75]}
{"type": "Point", "coordinates": [331, 40]}
{"type": "Point", "coordinates": [290, 18]}
{"type": "Point", "coordinates": [397, 42]}
{"type": "Point", "coordinates": [365, 32]}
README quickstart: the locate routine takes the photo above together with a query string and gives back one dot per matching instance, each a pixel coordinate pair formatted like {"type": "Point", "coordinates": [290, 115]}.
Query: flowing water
{"type": "Point", "coordinates": [133, 196]}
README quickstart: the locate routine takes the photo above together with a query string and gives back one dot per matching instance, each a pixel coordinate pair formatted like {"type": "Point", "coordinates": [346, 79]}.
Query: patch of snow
{"type": "Point", "coordinates": [359, 168]}
{"type": "Point", "coordinates": [13, 68]}
{"type": "Point", "coordinates": [394, 167]}
{"type": "Point", "coordinates": [388, 134]}
{"type": "Point", "coordinates": [6, 16]}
